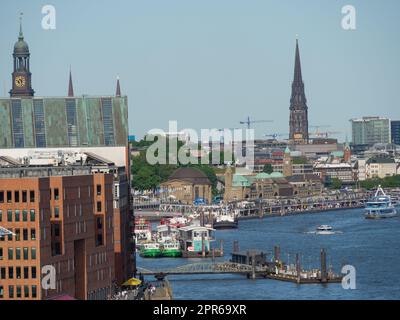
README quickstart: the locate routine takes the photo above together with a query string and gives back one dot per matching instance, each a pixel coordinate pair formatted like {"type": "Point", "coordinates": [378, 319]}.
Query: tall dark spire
{"type": "Point", "coordinates": [118, 91]}
{"type": "Point", "coordinates": [298, 104]}
{"type": "Point", "coordinates": [70, 86]}
{"type": "Point", "coordinates": [297, 65]}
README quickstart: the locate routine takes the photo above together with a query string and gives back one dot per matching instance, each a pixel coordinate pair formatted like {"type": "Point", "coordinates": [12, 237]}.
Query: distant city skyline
{"type": "Point", "coordinates": [211, 64]}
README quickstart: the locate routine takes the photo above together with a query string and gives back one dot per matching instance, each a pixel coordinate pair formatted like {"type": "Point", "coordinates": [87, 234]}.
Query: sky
{"type": "Point", "coordinates": [212, 63]}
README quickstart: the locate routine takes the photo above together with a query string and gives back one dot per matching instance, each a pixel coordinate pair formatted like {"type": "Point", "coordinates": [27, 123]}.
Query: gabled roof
{"type": "Point", "coordinates": [189, 174]}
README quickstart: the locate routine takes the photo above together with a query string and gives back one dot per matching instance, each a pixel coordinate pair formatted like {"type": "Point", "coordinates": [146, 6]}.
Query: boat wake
{"type": "Point", "coordinates": [323, 232]}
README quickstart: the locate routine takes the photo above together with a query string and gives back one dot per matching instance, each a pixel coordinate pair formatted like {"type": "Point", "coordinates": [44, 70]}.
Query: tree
{"type": "Point", "coordinates": [268, 168]}
{"type": "Point", "coordinates": [336, 183]}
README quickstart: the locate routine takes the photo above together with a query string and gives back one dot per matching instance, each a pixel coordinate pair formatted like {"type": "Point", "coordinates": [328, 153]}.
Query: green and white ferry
{"type": "Point", "coordinates": [171, 249]}
{"type": "Point", "coordinates": [150, 250]}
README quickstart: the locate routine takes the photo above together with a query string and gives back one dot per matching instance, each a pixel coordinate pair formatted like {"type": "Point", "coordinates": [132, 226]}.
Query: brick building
{"type": "Point", "coordinates": [61, 217]}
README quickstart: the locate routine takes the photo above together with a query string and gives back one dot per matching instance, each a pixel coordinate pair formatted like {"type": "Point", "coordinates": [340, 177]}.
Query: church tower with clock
{"type": "Point", "coordinates": [21, 76]}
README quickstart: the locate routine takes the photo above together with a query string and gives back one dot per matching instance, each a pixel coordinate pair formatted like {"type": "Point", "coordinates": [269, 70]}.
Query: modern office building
{"type": "Point", "coordinates": [370, 130]}
{"type": "Point", "coordinates": [395, 131]}
{"type": "Point", "coordinates": [60, 217]}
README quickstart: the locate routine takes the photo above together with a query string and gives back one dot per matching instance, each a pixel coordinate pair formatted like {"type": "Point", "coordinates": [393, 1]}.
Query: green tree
{"type": "Point", "coordinates": [268, 168]}
{"type": "Point", "coordinates": [336, 183]}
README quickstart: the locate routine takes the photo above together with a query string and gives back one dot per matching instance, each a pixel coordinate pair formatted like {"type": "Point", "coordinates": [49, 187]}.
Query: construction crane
{"type": "Point", "coordinates": [276, 135]}
{"type": "Point", "coordinates": [249, 122]}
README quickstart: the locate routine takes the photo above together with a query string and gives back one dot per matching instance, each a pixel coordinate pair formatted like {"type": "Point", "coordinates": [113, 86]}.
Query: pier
{"type": "Point", "coordinates": [253, 264]}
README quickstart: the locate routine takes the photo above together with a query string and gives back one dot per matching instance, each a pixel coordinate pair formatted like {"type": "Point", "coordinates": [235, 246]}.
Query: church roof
{"type": "Point", "coordinates": [240, 181]}
{"type": "Point", "coordinates": [263, 175]}
{"type": "Point", "coordinates": [189, 174]}
{"type": "Point", "coordinates": [21, 47]}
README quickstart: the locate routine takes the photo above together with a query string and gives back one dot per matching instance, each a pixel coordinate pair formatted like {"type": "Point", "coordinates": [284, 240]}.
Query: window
{"type": "Point", "coordinates": [33, 271]}
{"type": "Point", "coordinates": [25, 215]}
{"type": "Point", "coordinates": [10, 273]}
{"type": "Point", "coordinates": [32, 215]}
{"type": "Point", "coordinates": [34, 294]}
{"type": "Point", "coordinates": [18, 272]}
{"type": "Point", "coordinates": [9, 196]}
{"type": "Point", "coordinates": [1, 196]}
{"type": "Point", "coordinates": [26, 291]}
{"type": "Point", "coordinates": [16, 196]}
{"type": "Point", "coordinates": [1, 253]}
{"type": "Point", "coordinates": [11, 292]}
{"type": "Point", "coordinates": [9, 215]}
{"type": "Point", "coordinates": [17, 234]}
{"type": "Point", "coordinates": [25, 253]}
{"type": "Point", "coordinates": [24, 196]}
{"type": "Point", "coordinates": [56, 212]}
{"type": "Point", "coordinates": [10, 254]}
{"type": "Point", "coordinates": [18, 291]}
{"type": "Point", "coordinates": [98, 206]}
{"type": "Point", "coordinates": [2, 273]}
{"type": "Point", "coordinates": [56, 230]}
{"type": "Point", "coordinates": [17, 215]}
{"type": "Point", "coordinates": [1, 292]}
{"type": "Point", "coordinates": [99, 189]}
{"type": "Point", "coordinates": [32, 196]}
{"type": "Point", "coordinates": [1, 216]}
{"type": "Point", "coordinates": [9, 236]}
{"type": "Point", "coordinates": [56, 194]}
{"type": "Point", "coordinates": [18, 253]}
{"type": "Point", "coordinates": [33, 234]}
{"type": "Point", "coordinates": [33, 253]}
{"type": "Point", "coordinates": [26, 272]}
{"type": "Point", "coordinates": [25, 234]}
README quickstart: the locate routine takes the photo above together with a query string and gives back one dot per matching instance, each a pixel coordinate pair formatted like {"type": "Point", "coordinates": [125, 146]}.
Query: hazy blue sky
{"type": "Point", "coordinates": [211, 63]}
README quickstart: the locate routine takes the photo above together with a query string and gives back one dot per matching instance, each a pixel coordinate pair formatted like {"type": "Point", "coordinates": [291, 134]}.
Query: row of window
{"type": "Point", "coordinates": [18, 251]}
{"type": "Point", "coordinates": [16, 292]}
{"type": "Point", "coordinates": [17, 196]}
{"type": "Point", "coordinates": [18, 273]}
{"type": "Point", "coordinates": [18, 216]}
{"type": "Point", "coordinates": [26, 235]}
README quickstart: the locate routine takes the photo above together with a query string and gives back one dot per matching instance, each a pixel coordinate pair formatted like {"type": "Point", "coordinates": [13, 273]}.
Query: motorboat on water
{"type": "Point", "coordinates": [225, 221]}
{"type": "Point", "coordinates": [324, 229]}
{"type": "Point", "coordinates": [380, 206]}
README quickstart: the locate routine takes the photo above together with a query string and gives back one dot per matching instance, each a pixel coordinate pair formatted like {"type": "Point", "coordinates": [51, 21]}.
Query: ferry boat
{"type": "Point", "coordinates": [225, 221]}
{"type": "Point", "coordinates": [380, 206]}
{"type": "Point", "coordinates": [142, 231]}
{"type": "Point", "coordinates": [150, 250]}
{"type": "Point", "coordinates": [171, 249]}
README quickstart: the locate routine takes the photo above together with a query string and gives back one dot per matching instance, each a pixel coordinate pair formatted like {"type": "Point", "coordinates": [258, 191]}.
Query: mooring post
{"type": "Point", "coordinates": [298, 268]}
{"type": "Point", "coordinates": [221, 247]}
{"type": "Point", "coordinates": [323, 266]}
{"type": "Point", "coordinates": [253, 266]}
{"type": "Point", "coordinates": [203, 249]}
{"type": "Point", "coordinates": [277, 254]}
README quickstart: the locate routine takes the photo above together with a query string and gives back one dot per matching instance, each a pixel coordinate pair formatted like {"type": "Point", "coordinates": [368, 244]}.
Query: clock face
{"type": "Point", "coordinates": [20, 81]}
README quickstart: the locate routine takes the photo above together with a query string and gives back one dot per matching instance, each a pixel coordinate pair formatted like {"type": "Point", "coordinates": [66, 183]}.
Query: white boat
{"type": "Point", "coordinates": [225, 221]}
{"type": "Point", "coordinates": [324, 229]}
{"type": "Point", "coordinates": [380, 206]}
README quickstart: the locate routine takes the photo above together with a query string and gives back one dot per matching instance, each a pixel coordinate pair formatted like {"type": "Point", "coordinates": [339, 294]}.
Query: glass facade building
{"type": "Point", "coordinates": [63, 122]}
{"type": "Point", "coordinates": [395, 130]}
{"type": "Point", "coordinates": [370, 130]}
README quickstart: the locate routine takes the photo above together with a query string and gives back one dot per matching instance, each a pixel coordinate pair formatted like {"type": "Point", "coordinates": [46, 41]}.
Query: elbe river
{"type": "Point", "coordinates": [371, 246]}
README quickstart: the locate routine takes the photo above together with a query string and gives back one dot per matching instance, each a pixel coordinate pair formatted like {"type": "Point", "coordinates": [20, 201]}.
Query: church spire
{"type": "Point", "coordinates": [297, 65]}
{"type": "Point", "coordinates": [21, 35]}
{"type": "Point", "coordinates": [298, 104]}
{"type": "Point", "coordinates": [118, 91]}
{"type": "Point", "coordinates": [70, 85]}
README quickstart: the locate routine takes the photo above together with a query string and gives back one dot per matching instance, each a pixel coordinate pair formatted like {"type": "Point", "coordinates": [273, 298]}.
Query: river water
{"type": "Point", "coordinates": [371, 246]}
